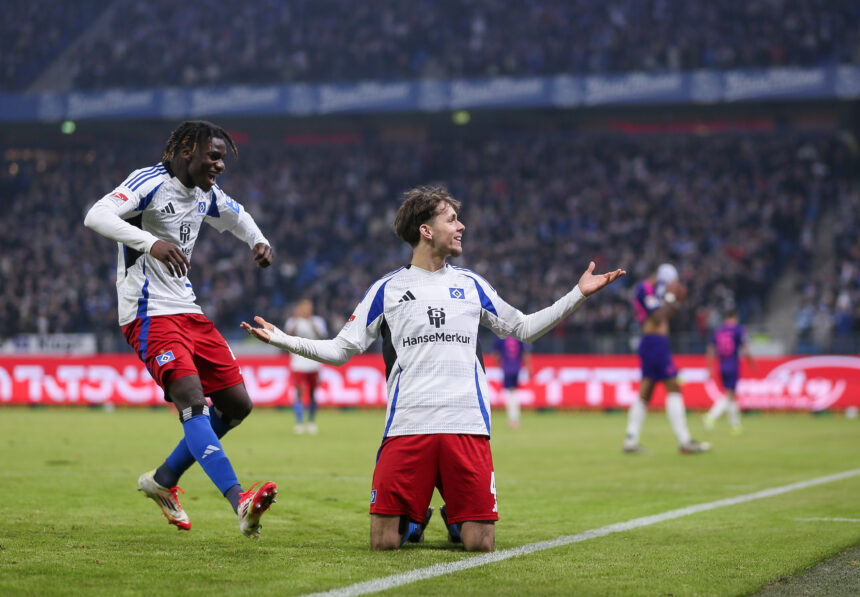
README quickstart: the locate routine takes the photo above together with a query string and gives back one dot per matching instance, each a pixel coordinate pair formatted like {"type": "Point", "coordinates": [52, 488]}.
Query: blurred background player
{"type": "Point", "coordinates": [156, 215]}
{"type": "Point", "coordinates": [656, 301]}
{"type": "Point", "coordinates": [304, 372]}
{"type": "Point", "coordinates": [727, 343]}
{"type": "Point", "coordinates": [513, 356]}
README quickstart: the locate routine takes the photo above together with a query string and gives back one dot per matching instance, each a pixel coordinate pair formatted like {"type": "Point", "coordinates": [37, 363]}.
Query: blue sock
{"type": "Point", "coordinates": [413, 528]}
{"type": "Point", "coordinates": [206, 449]}
{"type": "Point", "coordinates": [181, 459]}
{"type": "Point", "coordinates": [454, 532]}
{"type": "Point", "coordinates": [297, 408]}
{"type": "Point", "coordinates": [312, 408]}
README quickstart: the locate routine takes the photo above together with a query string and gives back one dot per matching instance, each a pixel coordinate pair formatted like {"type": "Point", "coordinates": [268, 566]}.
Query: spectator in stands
{"type": "Point", "coordinates": [264, 42]}
{"type": "Point", "coordinates": [714, 198]}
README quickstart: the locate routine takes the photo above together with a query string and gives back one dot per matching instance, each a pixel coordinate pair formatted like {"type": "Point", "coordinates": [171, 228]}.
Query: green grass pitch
{"type": "Point", "coordinates": [72, 522]}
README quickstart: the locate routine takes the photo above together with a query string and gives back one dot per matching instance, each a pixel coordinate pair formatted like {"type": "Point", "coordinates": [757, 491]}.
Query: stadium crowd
{"type": "Point", "coordinates": [829, 316]}
{"type": "Point", "coordinates": [33, 34]}
{"type": "Point", "coordinates": [731, 210]}
{"type": "Point", "coordinates": [276, 41]}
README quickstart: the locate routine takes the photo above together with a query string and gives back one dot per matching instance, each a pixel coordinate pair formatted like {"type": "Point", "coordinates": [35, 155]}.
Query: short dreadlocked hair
{"type": "Point", "coordinates": [192, 133]}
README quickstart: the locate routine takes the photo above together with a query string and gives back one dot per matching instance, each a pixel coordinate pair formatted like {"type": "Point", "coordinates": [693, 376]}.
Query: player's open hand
{"type": "Point", "coordinates": [263, 255]}
{"type": "Point", "coordinates": [261, 333]}
{"type": "Point", "coordinates": [590, 283]}
{"type": "Point", "coordinates": [171, 256]}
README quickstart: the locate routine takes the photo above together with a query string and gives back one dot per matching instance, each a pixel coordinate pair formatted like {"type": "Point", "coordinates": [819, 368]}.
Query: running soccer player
{"type": "Point", "coordinates": [513, 354]}
{"type": "Point", "coordinates": [155, 215]}
{"type": "Point", "coordinates": [727, 343]}
{"type": "Point", "coordinates": [437, 425]}
{"type": "Point", "coordinates": [305, 372]}
{"type": "Point", "coordinates": [655, 306]}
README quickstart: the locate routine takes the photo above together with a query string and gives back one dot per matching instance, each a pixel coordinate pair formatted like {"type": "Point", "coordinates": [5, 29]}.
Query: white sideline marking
{"type": "Point", "coordinates": [397, 580]}
{"type": "Point", "coordinates": [828, 519]}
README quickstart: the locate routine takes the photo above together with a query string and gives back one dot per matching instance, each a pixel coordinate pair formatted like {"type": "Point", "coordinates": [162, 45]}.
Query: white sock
{"type": "Point", "coordinates": [635, 419]}
{"type": "Point", "coordinates": [718, 408]}
{"type": "Point", "coordinates": [734, 413]}
{"type": "Point", "coordinates": [677, 417]}
{"type": "Point", "coordinates": [513, 405]}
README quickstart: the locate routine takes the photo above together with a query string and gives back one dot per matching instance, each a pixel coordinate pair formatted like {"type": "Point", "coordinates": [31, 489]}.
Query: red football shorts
{"type": "Point", "coordinates": [174, 346]}
{"type": "Point", "coordinates": [410, 466]}
{"type": "Point", "coordinates": [305, 381]}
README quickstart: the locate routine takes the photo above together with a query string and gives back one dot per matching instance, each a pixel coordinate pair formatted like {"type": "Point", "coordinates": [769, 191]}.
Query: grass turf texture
{"type": "Point", "coordinates": [73, 522]}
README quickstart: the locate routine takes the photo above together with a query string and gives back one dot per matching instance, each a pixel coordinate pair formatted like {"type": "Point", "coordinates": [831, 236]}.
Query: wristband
{"type": "Point", "coordinates": [669, 297]}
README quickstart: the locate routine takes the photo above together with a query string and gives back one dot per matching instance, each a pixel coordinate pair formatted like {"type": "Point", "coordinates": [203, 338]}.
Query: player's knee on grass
{"type": "Point", "coordinates": [478, 535]}
{"type": "Point", "coordinates": [385, 532]}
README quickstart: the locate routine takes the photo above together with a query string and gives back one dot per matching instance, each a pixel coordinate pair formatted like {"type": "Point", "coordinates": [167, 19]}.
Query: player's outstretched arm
{"type": "Point", "coordinates": [528, 328]}
{"type": "Point", "coordinates": [589, 282]}
{"type": "Point", "coordinates": [335, 351]}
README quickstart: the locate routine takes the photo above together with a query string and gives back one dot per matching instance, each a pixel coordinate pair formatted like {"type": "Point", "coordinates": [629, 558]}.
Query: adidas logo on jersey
{"type": "Point", "coordinates": [210, 449]}
{"type": "Point", "coordinates": [407, 297]}
{"type": "Point", "coordinates": [168, 209]}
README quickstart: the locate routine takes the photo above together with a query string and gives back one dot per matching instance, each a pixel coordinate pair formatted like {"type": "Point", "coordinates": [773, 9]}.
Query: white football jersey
{"type": "Point", "coordinates": [152, 205]}
{"type": "Point", "coordinates": [305, 327]}
{"type": "Point", "coordinates": [429, 324]}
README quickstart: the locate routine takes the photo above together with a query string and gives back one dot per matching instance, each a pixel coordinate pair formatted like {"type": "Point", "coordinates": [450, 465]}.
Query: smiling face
{"type": "Point", "coordinates": [206, 163]}
{"type": "Point", "coordinates": [444, 231]}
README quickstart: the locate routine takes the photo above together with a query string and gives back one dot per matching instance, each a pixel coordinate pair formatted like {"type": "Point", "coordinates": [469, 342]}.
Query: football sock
{"type": "Point", "coordinates": [297, 407]}
{"type": "Point", "coordinates": [206, 449]}
{"type": "Point", "coordinates": [232, 496]}
{"type": "Point", "coordinates": [454, 531]}
{"type": "Point", "coordinates": [513, 405]}
{"type": "Point", "coordinates": [677, 417]}
{"type": "Point", "coordinates": [635, 419]}
{"type": "Point", "coordinates": [718, 408]}
{"type": "Point", "coordinates": [312, 407]}
{"type": "Point", "coordinates": [181, 459]}
{"type": "Point", "coordinates": [408, 528]}
{"type": "Point", "coordinates": [734, 413]}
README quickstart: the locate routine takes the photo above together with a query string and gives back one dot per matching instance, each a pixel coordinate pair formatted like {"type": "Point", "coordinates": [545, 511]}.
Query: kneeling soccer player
{"type": "Point", "coordinates": [437, 427]}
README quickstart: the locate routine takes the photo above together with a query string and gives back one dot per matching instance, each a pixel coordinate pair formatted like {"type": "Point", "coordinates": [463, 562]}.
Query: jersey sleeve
{"type": "Point", "coordinates": [505, 320]}
{"type": "Point", "coordinates": [109, 214]}
{"type": "Point", "coordinates": [358, 333]}
{"type": "Point", "coordinates": [227, 214]}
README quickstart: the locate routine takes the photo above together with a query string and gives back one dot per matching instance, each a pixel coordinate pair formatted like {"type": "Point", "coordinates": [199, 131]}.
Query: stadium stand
{"type": "Point", "coordinates": [271, 41]}
{"type": "Point", "coordinates": [829, 316]}
{"type": "Point", "coordinates": [33, 34]}
{"type": "Point", "coordinates": [732, 210]}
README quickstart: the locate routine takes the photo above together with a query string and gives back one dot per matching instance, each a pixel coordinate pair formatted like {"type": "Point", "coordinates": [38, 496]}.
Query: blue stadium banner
{"type": "Point", "coordinates": [368, 96]}
{"type": "Point", "coordinates": [498, 92]}
{"type": "Point", "coordinates": [239, 100]}
{"type": "Point", "coordinates": [559, 91]}
{"type": "Point", "coordinates": [636, 88]}
{"type": "Point", "coordinates": [779, 83]}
